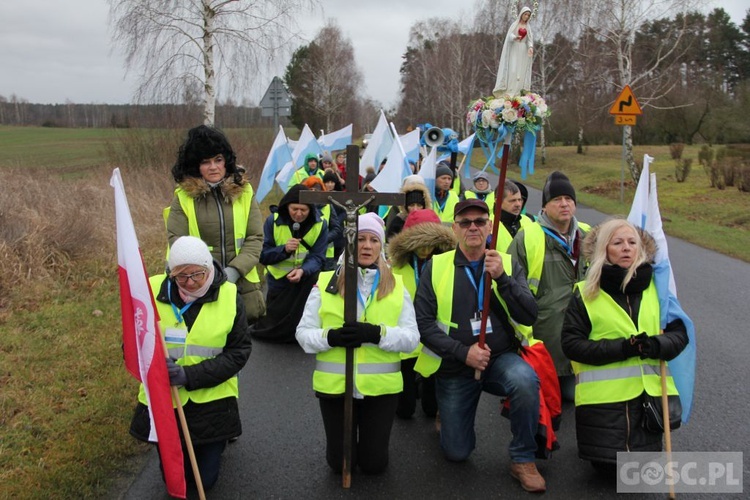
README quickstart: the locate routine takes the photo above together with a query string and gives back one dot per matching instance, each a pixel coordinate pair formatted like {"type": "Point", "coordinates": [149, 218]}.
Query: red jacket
{"type": "Point", "coordinates": [550, 400]}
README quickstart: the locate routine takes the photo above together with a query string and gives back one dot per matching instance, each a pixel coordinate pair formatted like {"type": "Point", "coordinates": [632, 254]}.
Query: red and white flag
{"type": "Point", "coordinates": [143, 349]}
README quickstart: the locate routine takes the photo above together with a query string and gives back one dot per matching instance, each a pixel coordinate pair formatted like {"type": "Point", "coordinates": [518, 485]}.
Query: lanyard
{"type": "Point", "coordinates": [558, 239]}
{"type": "Point", "coordinates": [177, 312]}
{"type": "Point", "coordinates": [372, 294]}
{"type": "Point", "coordinates": [441, 206]}
{"type": "Point", "coordinates": [416, 270]}
{"type": "Point", "coordinates": [479, 289]}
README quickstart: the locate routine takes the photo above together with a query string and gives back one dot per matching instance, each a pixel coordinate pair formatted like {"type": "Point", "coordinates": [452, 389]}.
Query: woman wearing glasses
{"type": "Point", "coordinates": [202, 319]}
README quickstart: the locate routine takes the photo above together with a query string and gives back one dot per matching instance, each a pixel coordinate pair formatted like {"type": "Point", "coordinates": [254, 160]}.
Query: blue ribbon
{"type": "Point", "coordinates": [526, 162]}
{"type": "Point", "coordinates": [490, 142]}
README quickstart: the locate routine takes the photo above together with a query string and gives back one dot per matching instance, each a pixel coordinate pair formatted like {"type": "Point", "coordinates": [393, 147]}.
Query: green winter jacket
{"type": "Point", "coordinates": [555, 289]}
{"type": "Point", "coordinates": [213, 209]}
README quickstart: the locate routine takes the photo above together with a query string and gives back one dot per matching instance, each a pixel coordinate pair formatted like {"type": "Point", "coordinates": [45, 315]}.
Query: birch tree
{"type": "Point", "coordinates": [183, 44]}
{"type": "Point", "coordinates": [616, 23]}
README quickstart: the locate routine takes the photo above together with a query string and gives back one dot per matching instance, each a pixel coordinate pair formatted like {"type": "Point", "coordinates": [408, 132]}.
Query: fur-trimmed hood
{"type": "Point", "coordinates": [589, 244]}
{"type": "Point", "coordinates": [413, 186]}
{"type": "Point", "coordinates": [197, 188]}
{"type": "Point", "coordinates": [428, 234]}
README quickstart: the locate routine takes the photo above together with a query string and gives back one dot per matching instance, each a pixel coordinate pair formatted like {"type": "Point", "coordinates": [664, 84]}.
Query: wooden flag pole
{"type": "Point", "coordinates": [184, 427]}
{"type": "Point", "coordinates": [499, 194]}
{"type": "Point", "coordinates": [351, 200]}
{"type": "Point", "coordinates": [665, 419]}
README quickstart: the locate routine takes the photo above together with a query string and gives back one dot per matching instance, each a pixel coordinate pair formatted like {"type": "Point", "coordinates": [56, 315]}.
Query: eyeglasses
{"type": "Point", "coordinates": [196, 277]}
{"type": "Point", "coordinates": [466, 223]}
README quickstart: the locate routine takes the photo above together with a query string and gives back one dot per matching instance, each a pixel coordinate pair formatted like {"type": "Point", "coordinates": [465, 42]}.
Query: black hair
{"type": "Point", "coordinates": [204, 142]}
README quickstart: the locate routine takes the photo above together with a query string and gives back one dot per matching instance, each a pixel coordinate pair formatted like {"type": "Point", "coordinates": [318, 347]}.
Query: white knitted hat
{"type": "Point", "coordinates": [371, 223]}
{"type": "Point", "coordinates": [189, 250]}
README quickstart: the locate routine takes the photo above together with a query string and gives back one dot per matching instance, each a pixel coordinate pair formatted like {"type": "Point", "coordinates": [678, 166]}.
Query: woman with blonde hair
{"type": "Point", "coordinates": [386, 326]}
{"type": "Point", "coordinates": [611, 335]}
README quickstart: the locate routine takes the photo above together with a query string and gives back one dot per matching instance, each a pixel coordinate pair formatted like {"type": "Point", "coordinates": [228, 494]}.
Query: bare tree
{"type": "Point", "coordinates": [181, 44]}
{"type": "Point", "coordinates": [325, 81]}
{"type": "Point", "coordinates": [616, 23]}
{"type": "Point", "coordinates": [336, 79]}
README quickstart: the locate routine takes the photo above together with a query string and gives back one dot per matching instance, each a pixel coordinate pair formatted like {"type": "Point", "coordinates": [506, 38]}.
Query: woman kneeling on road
{"type": "Point", "coordinates": [386, 326]}
{"type": "Point", "coordinates": [611, 334]}
{"type": "Point", "coordinates": [202, 318]}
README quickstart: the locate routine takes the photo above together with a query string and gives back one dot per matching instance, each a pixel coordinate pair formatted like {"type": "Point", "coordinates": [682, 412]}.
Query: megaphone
{"type": "Point", "coordinates": [434, 137]}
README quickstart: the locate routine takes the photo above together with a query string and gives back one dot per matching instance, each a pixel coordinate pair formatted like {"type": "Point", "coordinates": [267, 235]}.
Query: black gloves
{"type": "Point", "coordinates": [354, 335]}
{"type": "Point", "coordinates": [369, 333]}
{"type": "Point", "coordinates": [632, 347]}
{"type": "Point", "coordinates": [176, 373]}
{"type": "Point", "coordinates": [641, 345]}
{"type": "Point", "coordinates": [346, 336]}
{"type": "Point", "coordinates": [650, 348]}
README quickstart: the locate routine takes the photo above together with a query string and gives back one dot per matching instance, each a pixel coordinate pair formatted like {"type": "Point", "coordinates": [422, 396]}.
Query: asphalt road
{"type": "Point", "coordinates": [281, 453]}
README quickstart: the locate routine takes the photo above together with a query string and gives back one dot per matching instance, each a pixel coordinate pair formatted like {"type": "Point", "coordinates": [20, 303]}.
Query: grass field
{"type": "Point", "coordinates": [692, 210]}
{"type": "Point", "coordinates": [65, 397]}
{"type": "Point", "coordinates": [53, 147]}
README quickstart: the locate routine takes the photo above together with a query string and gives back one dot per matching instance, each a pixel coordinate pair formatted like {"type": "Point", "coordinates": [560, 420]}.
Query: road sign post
{"type": "Point", "coordinates": [276, 101]}
{"type": "Point", "coordinates": [625, 109]}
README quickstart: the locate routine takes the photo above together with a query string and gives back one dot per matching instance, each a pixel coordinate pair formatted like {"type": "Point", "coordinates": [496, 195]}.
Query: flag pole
{"type": "Point", "coordinates": [184, 427]}
{"type": "Point", "coordinates": [499, 194]}
{"type": "Point", "coordinates": [665, 419]}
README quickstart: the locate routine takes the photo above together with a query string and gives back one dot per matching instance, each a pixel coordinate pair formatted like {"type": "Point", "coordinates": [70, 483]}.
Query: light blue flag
{"type": "Point", "coordinates": [389, 179]}
{"type": "Point", "coordinates": [378, 147]}
{"type": "Point", "coordinates": [279, 156]}
{"type": "Point", "coordinates": [305, 145]}
{"type": "Point", "coordinates": [410, 143]}
{"type": "Point", "coordinates": [429, 169]}
{"type": "Point", "coordinates": [337, 140]}
{"type": "Point", "coordinates": [682, 367]}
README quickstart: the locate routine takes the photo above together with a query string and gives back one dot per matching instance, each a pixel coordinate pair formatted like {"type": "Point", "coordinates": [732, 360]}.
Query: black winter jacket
{"type": "Point", "coordinates": [604, 429]}
{"type": "Point", "coordinates": [454, 347]}
{"type": "Point", "coordinates": [216, 420]}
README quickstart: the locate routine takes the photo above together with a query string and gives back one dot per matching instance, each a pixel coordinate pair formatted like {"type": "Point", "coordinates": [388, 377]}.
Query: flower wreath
{"type": "Point", "coordinates": [490, 115]}
{"type": "Point", "coordinates": [495, 119]}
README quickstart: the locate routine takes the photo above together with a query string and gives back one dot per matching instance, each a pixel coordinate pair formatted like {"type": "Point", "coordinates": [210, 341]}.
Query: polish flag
{"type": "Point", "coordinates": [142, 344]}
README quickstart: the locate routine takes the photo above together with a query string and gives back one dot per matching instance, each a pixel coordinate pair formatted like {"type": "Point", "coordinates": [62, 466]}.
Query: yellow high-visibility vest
{"type": "Point", "coordinates": [376, 372]}
{"type": "Point", "coordinates": [205, 340]}
{"type": "Point", "coordinates": [621, 380]}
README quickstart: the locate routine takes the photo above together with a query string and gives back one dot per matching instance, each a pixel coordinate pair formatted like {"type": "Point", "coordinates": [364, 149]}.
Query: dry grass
{"type": "Point", "coordinates": [65, 399]}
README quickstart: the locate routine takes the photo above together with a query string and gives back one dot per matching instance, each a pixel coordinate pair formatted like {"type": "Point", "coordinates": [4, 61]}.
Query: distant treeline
{"type": "Point", "coordinates": [18, 111]}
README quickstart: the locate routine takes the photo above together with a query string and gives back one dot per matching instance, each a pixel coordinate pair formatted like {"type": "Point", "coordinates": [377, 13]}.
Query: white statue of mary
{"type": "Point", "coordinates": [514, 73]}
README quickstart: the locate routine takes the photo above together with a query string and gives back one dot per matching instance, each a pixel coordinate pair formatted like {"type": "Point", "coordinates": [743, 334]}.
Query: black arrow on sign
{"type": "Point", "coordinates": [626, 103]}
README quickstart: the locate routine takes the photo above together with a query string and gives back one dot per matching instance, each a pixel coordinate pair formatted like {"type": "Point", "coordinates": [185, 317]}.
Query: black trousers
{"type": "Point", "coordinates": [208, 457]}
{"type": "Point", "coordinates": [372, 421]}
{"type": "Point", "coordinates": [416, 387]}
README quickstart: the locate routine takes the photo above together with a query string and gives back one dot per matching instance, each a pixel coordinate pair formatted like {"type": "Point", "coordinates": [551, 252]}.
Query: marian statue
{"type": "Point", "coordinates": [514, 73]}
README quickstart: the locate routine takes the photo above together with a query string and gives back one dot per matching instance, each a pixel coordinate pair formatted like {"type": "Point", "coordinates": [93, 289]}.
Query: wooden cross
{"type": "Point", "coordinates": [351, 200]}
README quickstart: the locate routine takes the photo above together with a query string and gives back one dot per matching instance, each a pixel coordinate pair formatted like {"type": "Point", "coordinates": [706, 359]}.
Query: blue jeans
{"type": "Point", "coordinates": [507, 376]}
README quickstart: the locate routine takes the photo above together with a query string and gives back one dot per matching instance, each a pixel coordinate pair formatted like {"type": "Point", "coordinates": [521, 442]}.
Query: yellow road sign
{"type": "Point", "coordinates": [625, 119]}
{"type": "Point", "coordinates": [625, 104]}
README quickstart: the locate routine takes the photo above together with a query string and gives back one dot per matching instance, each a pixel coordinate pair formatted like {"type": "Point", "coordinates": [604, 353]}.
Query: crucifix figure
{"type": "Point", "coordinates": [351, 200]}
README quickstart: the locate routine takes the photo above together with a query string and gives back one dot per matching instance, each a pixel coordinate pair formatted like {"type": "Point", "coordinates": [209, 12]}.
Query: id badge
{"type": "Point", "coordinates": [476, 326]}
{"type": "Point", "coordinates": [175, 336]}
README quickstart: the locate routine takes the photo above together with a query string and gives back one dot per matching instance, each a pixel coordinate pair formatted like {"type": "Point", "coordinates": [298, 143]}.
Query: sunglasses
{"type": "Point", "coordinates": [196, 277]}
{"type": "Point", "coordinates": [466, 223]}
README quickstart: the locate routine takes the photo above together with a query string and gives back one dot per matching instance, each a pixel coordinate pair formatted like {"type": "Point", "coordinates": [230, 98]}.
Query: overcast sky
{"type": "Point", "coordinates": [53, 51]}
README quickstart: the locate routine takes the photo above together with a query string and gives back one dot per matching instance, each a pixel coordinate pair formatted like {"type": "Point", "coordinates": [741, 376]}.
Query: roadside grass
{"type": "Point", "coordinates": [65, 397]}
{"type": "Point", "coordinates": [692, 210]}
